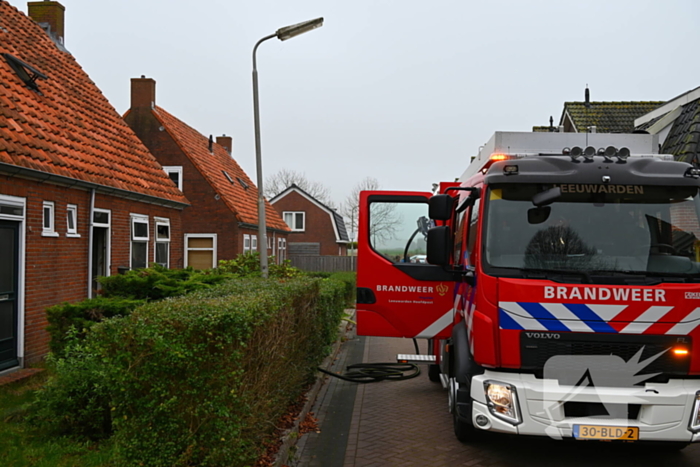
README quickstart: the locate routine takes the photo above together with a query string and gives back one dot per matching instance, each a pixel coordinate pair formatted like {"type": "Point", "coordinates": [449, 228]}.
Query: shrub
{"type": "Point", "coordinates": [248, 265]}
{"type": "Point", "coordinates": [82, 316]}
{"type": "Point", "coordinates": [76, 399]}
{"type": "Point", "coordinates": [198, 379]}
{"type": "Point", "coordinates": [350, 281]}
{"type": "Point", "coordinates": [157, 282]}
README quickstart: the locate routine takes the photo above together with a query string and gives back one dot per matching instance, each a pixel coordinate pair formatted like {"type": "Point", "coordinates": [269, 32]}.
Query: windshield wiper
{"type": "Point", "coordinates": [555, 275]}
{"type": "Point", "coordinates": [650, 277]}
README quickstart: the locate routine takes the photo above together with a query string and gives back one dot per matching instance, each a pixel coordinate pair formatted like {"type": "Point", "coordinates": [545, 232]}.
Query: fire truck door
{"type": "Point", "coordinates": [398, 293]}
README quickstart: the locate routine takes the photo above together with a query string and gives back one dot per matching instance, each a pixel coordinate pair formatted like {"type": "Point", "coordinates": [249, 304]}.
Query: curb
{"type": "Point", "coordinates": [291, 436]}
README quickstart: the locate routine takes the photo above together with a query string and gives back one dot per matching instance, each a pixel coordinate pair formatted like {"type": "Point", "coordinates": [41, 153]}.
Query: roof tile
{"type": "Point", "coordinates": [607, 117]}
{"type": "Point", "coordinates": [68, 128]}
{"type": "Point", "coordinates": [683, 140]}
{"type": "Point", "coordinates": [243, 202]}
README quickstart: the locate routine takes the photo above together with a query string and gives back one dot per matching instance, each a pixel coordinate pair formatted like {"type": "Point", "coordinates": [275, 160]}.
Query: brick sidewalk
{"type": "Point", "coordinates": [406, 423]}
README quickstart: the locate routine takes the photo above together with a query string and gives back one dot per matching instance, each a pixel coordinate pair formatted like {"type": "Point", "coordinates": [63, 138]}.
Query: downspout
{"type": "Point", "coordinates": [90, 240]}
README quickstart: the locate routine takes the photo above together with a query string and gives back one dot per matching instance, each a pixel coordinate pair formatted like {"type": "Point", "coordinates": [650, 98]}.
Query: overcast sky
{"type": "Point", "coordinates": [404, 91]}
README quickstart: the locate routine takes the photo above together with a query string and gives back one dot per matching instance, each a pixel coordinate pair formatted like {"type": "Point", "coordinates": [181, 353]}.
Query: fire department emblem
{"type": "Point", "coordinates": [441, 289]}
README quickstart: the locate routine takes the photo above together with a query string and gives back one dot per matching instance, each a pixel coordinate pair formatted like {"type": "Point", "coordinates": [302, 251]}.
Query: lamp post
{"type": "Point", "coordinates": [282, 34]}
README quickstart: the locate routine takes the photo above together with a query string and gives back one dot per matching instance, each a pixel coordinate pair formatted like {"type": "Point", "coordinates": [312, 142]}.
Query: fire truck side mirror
{"type": "Point", "coordinates": [439, 245]}
{"type": "Point", "coordinates": [440, 207]}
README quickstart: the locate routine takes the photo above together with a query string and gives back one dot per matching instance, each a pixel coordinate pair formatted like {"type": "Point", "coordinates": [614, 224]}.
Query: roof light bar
{"type": "Point", "coordinates": [499, 157]}
{"type": "Point", "coordinates": [623, 154]}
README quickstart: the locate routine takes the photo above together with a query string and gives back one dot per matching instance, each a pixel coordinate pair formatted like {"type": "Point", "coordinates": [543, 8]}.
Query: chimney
{"type": "Point", "coordinates": [48, 15]}
{"type": "Point", "coordinates": [143, 92]}
{"type": "Point", "coordinates": [226, 142]}
{"type": "Point", "coordinates": [587, 103]}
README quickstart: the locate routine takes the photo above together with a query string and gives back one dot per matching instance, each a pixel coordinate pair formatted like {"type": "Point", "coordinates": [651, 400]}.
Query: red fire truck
{"type": "Point", "coordinates": [561, 292]}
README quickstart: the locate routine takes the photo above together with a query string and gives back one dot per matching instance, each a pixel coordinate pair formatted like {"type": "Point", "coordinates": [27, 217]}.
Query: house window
{"type": "Point", "coordinates": [246, 243]}
{"type": "Point", "coordinates": [139, 241]}
{"type": "Point", "coordinates": [175, 174]}
{"type": "Point", "coordinates": [162, 252]}
{"type": "Point", "coordinates": [200, 251]}
{"type": "Point", "coordinates": [282, 249]}
{"type": "Point", "coordinates": [72, 221]}
{"type": "Point", "coordinates": [254, 243]}
{"type": "Point", "coordinates": [295, 220]}
{"type": "Point", "coordinates": [49, 226]}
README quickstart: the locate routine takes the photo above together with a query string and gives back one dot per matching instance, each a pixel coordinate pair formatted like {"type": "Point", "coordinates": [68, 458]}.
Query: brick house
{"type": "Point", "coordinates": [316, 229]}
{"type": "Point", "coordinates": [80, 195]}
{"type": "Point", "coordinates": [223, 220]}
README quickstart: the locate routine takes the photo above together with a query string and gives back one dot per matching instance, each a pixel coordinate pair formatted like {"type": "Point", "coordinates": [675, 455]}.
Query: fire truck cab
{"type": "Point", "coordinates": [561, 292]}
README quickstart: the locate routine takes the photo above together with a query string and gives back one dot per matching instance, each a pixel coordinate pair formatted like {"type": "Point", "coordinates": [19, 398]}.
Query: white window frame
{"type": "Point", "coordinates": [175, 169]}
{"type": "Point", "coordinates": [161, 221]}
{"type": "Point", "coordinates": [48, 230]}
{"type": "Point", "coordinates": [294, 216]}
{"type": "Point", "coordinates": [72, 213]}
{"type": "Point", "coordinates": [246, 243]}
{"type": "Point", "coordinates": [107, 225]}
{"type": "Point", "coordinates": [282, 249]}
{"type": "Point", "coordinates": [253, 243]}
{"type": "Point", "coordinates": [17, 202]}
{"type": "Point", "coordinates": [137, 219]}
{"type": "Point", "coordinates": [213, 248]}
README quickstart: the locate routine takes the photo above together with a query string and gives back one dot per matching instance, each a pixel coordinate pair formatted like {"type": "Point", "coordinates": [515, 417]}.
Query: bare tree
{"type": "Point", "coordinates": [383, 218]}
{"type": "Point", "coordinates": [277, 183]}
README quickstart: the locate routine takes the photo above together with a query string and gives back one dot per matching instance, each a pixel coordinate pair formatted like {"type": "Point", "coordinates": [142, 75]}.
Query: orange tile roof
{"type": "Point", "coordinates": [69, 129]}
{"type": "Point", "coordinates": [243, 202]}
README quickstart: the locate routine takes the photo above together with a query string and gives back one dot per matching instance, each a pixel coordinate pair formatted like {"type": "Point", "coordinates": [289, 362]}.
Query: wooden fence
{"type": "Point", "coordinates": [325, 263]}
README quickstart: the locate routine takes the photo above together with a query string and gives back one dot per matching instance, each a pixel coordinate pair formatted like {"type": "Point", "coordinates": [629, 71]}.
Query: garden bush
{"type": "Point", "coordinates": [157, 282]}
{"type": "Point", "coordinates": [199, 379]}
{"type": "Point", "coordinates": [248, 265]}
{"type": "Point", "coordinates": [350, 281]}
{"type": "Point", "coordinates": [82, 316]}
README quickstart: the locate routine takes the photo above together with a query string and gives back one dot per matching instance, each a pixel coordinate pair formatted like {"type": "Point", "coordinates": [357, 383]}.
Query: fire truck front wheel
{"type": "Point", "coordinates": [460, 406]}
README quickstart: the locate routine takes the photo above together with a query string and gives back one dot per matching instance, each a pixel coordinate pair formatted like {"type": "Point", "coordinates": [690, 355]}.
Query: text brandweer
{"type": "Point", "coordinates": [604, 293]}
{"type": "Point", "coordinates": [404, 288]}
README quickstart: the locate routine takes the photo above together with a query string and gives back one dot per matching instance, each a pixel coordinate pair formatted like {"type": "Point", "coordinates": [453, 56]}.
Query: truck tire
{"type": "Point", "coordinates": [434, 373]}
{"type": "Point", "coordinates": [464, 431]}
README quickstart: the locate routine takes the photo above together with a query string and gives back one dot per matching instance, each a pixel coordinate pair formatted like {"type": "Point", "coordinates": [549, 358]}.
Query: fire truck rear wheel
{"type": "Point", "coordinates": [434, 373]}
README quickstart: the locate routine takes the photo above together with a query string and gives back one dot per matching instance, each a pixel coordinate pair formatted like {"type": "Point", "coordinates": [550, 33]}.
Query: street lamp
{"type": "Point", "coordinates": [282, 34]}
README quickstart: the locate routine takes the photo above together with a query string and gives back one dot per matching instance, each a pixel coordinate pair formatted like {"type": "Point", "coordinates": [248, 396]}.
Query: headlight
{"type": "Point", "coordinates": [695, 417]}
{"type": "Point", "coordinates": [502, 400]}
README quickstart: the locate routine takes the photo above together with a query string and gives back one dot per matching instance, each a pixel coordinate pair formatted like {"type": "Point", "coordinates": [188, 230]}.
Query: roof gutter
{"type": "Point", "coordinates": [255, 226]}
{"type": "Point", "coordinates": [17, 171]}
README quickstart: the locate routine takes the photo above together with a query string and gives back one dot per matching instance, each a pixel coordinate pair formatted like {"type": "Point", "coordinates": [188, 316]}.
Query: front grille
{"type": "Point", "coordinates": [536, 348]}
{"type": "Point", "coordinates": [598, 409]}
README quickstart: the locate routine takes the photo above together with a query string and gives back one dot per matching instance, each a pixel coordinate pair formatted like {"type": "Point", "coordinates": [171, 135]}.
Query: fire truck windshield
{"type": "Point", "coordinates": [593, 228]}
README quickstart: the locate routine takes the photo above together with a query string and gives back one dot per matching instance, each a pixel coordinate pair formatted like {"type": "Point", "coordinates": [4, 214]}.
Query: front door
{"type": "Point", "coordinates": [9, 268]}
{"type": "Point", "coordinates": [398, 293]}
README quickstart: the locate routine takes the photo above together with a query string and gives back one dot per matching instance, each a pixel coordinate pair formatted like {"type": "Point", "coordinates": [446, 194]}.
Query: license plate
{"type": "Point", "coordinates": [622, 433]}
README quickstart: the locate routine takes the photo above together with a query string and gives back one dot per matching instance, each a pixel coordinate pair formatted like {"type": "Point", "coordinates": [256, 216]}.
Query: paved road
{"type": "Point", "coordinates": [407, 424]}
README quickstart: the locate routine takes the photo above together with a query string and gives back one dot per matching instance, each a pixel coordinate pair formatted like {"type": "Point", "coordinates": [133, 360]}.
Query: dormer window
{"type": "Point", "coordinates": [27, 73]}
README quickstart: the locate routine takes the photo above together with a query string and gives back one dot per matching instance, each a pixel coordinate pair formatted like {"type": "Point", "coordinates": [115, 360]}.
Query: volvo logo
{"type": "Point", "coordinates": [542, 335]}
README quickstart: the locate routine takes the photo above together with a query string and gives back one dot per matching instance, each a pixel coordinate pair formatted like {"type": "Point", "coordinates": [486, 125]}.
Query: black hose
{"type": "Point", "coordinates": [375, 372]}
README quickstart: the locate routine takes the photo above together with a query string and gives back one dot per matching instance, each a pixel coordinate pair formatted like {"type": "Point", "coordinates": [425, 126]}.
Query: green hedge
{"type": "Point", "coordinates": [195, 380]}
{"type": "Point", "coordinates": [82, 316]}
{"type": "Point", "coordinates": [157, 282]}
{"type": "Point", "coordinates": [350, 281]}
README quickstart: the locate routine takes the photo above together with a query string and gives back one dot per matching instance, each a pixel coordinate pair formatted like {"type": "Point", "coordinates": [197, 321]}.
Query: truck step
{"type": "Point", "coordinates": [406, 358]}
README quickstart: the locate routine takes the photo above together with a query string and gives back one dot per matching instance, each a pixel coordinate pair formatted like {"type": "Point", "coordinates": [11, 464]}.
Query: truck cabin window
{"type": "Point", "coordinates": [397, 231]}
{"type": "Point", "coordinates": [629, 229]}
